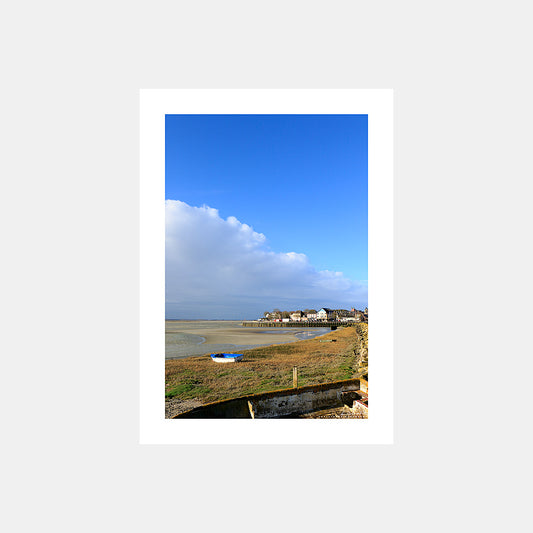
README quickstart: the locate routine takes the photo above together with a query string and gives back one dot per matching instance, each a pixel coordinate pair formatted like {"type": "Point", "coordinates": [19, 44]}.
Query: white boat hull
{"type": "Point", "coordinates": [227, 359]}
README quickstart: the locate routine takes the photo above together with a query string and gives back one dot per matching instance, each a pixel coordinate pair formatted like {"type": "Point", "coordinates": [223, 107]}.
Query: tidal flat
{"type": "Point", "coordinates": [186, 338]}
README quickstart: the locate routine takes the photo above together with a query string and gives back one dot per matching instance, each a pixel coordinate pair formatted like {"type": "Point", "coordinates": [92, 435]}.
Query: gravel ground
{"type": "Point", "coordinates": [175, 406]}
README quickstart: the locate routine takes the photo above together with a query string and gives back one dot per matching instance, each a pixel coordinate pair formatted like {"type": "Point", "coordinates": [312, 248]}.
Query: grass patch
{"type": "Point", "coordinates": [264, 369]}
{"type": "Point", "coordinates": [178, 390]}
{"type": "Point", "coordinates": [187, 391]}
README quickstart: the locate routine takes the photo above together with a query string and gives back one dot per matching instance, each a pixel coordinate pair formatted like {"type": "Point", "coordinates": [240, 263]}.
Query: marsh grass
{"type": "Point", "coordinates": [265, 368]}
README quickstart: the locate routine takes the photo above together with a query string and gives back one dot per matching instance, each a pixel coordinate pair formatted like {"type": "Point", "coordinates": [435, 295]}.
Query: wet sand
{"type": "Point", "coordinates": [186, 338]}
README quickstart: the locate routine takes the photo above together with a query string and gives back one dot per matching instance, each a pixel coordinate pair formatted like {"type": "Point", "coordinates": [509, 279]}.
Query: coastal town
{"type": "Point", "coordinates": [325, 314]}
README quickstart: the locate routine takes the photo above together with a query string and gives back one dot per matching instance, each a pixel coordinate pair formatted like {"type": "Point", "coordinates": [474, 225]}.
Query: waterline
{"type": "Point", "coordinates": [191, 338]}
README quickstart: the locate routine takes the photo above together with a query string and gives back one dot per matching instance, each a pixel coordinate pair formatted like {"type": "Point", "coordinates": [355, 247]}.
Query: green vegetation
{"type": "Point", "coordinates": [187, 391]}
{"type": "Point", "coordinates": [269, 368]}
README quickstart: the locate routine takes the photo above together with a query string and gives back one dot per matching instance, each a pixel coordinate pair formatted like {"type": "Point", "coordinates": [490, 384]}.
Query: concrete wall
{"type": "Point", "coordinates": [237, 408]}
{"type": "Point", "coordinates": [300, 401]}
{"type": "Point", "coordinates": [279, 403]}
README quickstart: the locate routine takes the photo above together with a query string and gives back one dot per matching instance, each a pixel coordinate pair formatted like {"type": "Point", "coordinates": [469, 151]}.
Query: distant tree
{"type": "Point", "coordinates": [266, 313]}
{"type": "Point", "coordinates": [285, 314]}
{"type": "Point", "coordinates": [307, 311]}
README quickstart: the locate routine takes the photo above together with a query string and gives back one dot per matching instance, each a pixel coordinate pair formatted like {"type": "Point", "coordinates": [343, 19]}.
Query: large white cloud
{"type": "Point", "coordinates": [218, 268]}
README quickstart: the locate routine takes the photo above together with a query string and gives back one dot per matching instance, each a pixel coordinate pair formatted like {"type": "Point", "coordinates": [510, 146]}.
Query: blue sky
{"type": "Point", "coordinates": [296, 182]}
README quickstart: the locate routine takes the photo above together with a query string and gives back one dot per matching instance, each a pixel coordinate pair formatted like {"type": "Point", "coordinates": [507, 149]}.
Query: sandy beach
{"type": "Point", "coordinates": [186, 338]}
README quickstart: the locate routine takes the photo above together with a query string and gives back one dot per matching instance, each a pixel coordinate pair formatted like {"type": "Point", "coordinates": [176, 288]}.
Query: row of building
{"type": "Point", "coordinates": [325, 315]}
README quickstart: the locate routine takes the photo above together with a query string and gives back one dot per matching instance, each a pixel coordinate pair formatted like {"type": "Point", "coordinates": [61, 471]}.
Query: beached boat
{"type": "Point", "coordinates": [226, 357]}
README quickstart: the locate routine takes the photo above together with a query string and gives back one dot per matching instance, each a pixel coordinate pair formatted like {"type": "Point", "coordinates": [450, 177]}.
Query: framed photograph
{"type": "Point", "coordinates": [266, 266]}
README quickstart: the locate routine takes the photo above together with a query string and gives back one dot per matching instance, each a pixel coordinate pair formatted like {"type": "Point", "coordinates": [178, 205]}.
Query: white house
{"type": "Point", "coordinates": [296, 316]}
{"type": "Point", "coordinates": [326, 314]}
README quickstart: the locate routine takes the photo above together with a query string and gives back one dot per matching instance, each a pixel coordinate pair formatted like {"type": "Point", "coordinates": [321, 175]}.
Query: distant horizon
{"type": "Point", "coordinates": [216, 318]}
{"type": "Point", "coordinates": [249, 318]}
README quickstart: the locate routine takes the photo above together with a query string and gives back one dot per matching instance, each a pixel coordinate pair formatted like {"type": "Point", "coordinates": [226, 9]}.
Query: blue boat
{"type": "Point", "coordinates": [226, 357]}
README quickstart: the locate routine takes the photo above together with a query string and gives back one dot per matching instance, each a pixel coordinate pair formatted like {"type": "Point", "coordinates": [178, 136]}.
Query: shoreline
{"type": "Point", "coordinates": [229, 338]}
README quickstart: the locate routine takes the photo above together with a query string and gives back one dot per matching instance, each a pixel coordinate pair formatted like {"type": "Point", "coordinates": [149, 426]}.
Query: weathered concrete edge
{"type": "Point", "coordinates": [274, 393]}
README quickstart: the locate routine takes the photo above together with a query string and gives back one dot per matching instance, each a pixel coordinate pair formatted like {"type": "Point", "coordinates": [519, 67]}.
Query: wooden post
{"type": "Point", "coordinates": [295, 377]}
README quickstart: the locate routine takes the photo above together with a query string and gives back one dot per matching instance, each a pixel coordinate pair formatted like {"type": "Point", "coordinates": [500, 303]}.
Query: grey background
{"type": "Point", "coordinates": [69, 213]}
